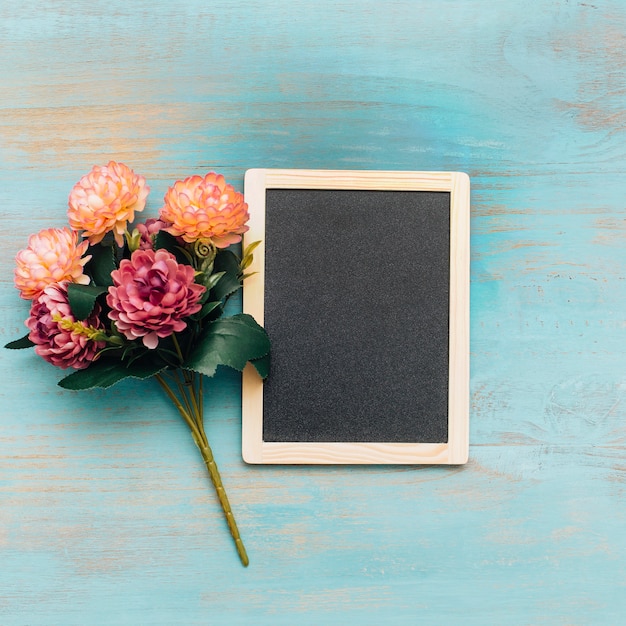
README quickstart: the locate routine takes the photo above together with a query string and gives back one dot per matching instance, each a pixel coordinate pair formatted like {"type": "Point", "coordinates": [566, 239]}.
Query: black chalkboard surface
{"type": "Point", "coordinates": [362, 284]}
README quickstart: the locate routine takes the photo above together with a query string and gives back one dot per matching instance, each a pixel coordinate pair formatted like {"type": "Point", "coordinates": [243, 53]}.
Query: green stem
{"type": "Point", "coordinates": [192, 414]}
{"type": "Point", "coordinates": [177, 347]}
{"type": "Point", "coordinates": [183, 391]}
{"type": "Point", "coordinates": [201, 401]}
{"type": "Point", "coordinates": [191, 392]}
{"type": "Point", "coordinates": [216, 479]}
{"type": "Point", "coordinates": [177, 404]}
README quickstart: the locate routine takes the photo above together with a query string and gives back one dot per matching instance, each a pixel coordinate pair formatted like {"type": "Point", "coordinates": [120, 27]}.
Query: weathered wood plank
{"type": "Point", "coordinates": [106, 516]}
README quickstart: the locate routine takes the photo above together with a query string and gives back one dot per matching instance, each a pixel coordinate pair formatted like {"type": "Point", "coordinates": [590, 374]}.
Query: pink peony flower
{"type": "Point", "coordinates": [105, 200]}
{"type": "Point", "coordinates": [53, 255]}
{"type": "Point", "coordinates": [50, 317]}
{"type": "Point", "coordinates": [148, 231]}
{"type": "Point", "coordinates": [205, 208]}
{"type": "Point", "coordinates": [151, 295]}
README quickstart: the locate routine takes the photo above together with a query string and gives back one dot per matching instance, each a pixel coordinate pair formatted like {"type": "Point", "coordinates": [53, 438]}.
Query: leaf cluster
{"type": "Point", "coordinates": [210, 339]}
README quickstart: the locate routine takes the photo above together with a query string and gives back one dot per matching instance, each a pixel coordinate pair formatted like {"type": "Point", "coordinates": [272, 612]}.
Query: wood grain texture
{"type": "Point", "coordinates": [106, 515]}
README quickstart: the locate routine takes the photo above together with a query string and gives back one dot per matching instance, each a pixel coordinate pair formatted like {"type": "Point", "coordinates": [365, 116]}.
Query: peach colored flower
{"type": "Point", "coordinates": [52, 256]}
{"type": "Point", "coordinates": [105, 200]}
{"type": "Point", "coordinates": [205, 208]}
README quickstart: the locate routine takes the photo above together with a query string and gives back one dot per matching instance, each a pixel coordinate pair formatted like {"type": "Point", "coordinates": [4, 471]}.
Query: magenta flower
{"type": "Point", "coordinates": [148, 231]}
{"type": "Point", "coordinates": [151, 295]}
{"type": "Point", "coordinates": [58, 337]}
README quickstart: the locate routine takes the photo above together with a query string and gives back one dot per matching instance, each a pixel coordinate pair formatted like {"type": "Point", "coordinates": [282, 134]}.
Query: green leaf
{"type": "Point", "coordinates": [231, 341]}
{"type": "Point", "coordinates": [101, 265]}
{"type": "Point", "coordinates": [105, 373]}
{"type": "Point", "coordinates": [165, 241]}
{"type": "Point", "coordinates": [248, 256]}
{"type": "Point", "coordinates": [82, 299]}
{"type": "Point", "coordinates": [18, 344]}
{"type": "Point", "coordinates": [205, 310]}
{"type": "Point", "coordinates": [213, 279]}
{"type": "Point", "coordinates": [226, 262]}
{"type": "Point", "coordinates": [262, 366]}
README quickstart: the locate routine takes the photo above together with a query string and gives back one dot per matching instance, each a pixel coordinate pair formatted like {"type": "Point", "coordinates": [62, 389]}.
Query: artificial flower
{"type": "Point", "coordinates": [58, 337]}
{"type": "Point", "coordinates": [200, 208]}
{"type": "Point", "coordinates": [148, 231]}
{"type": "Point", "coordinates": [53, 255]}
{"type": "Point", "coordinates": [105, 200]}
{"type": "Point", "coordinates": [151, 295]}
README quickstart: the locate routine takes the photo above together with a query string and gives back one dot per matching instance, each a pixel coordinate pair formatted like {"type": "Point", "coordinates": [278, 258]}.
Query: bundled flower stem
{"type": "Point", "coordinates": [114, 303]}
{"type": "Point", "coordinates": [191, 410]}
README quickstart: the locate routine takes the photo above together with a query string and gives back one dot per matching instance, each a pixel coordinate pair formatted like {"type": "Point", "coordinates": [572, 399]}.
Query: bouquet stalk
{"type": "Point", "coordinates": [113, 302]}
{"type": "Point", "coordinates": [188, 399]}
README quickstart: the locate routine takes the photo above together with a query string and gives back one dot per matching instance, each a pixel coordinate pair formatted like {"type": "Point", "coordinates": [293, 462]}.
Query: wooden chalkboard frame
{"type": "Point", "coordinates": [455, 450]}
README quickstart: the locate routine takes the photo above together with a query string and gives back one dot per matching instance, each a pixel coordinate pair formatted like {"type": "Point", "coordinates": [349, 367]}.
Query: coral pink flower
{"type": "Point", "coordinates": [52, 256]}
{"type": "Point", "coordinates": [148, 232]}
{"type": "Point", "coordinates": [151, 294]}
{"type": "Point", "coordinates": [205, 208]}
{"type": "Point", "coordinates": [105, 200]}
{"type": "Point", "coordinates": [55, 343]}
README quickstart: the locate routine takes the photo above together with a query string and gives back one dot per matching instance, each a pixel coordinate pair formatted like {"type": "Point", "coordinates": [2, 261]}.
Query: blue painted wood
{"type": "Point", "coordinates": [106, 515]}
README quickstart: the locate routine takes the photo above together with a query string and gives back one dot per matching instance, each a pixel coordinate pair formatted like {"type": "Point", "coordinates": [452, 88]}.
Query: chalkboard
{"type": "Point", "coordinates": [362, 283]}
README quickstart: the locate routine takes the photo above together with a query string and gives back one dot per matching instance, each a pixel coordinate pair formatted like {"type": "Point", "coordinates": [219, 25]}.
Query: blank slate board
{"type": "Point", "coordinates": [362, 283]}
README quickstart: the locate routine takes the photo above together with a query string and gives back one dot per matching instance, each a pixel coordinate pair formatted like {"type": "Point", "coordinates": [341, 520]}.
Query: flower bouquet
{"type": "Point", "coordinates": [113, 301]}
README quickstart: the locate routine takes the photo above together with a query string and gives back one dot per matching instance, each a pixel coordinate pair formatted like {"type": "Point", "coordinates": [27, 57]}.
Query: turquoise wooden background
{"type": "Point", "coordinates": [106, 516]}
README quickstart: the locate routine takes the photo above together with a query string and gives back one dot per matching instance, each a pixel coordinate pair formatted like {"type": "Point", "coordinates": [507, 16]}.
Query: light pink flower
{"type": "Point", "coordinates": [151, 295]}
{"type": "Point", "coordinates": [148, 232]}
{"type": "Point", "coordinates": [105, 200]}
{"type": "Point", "coordinates": [52, 256]}
{"type": "Point", "coordinates": [56, 344]}
{"type": "Point", "coordinates": [205, 208]}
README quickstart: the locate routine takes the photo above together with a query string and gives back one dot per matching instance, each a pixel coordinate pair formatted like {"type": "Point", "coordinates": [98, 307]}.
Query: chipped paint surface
{"type": "Point", "coordinates": [106, 515]}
